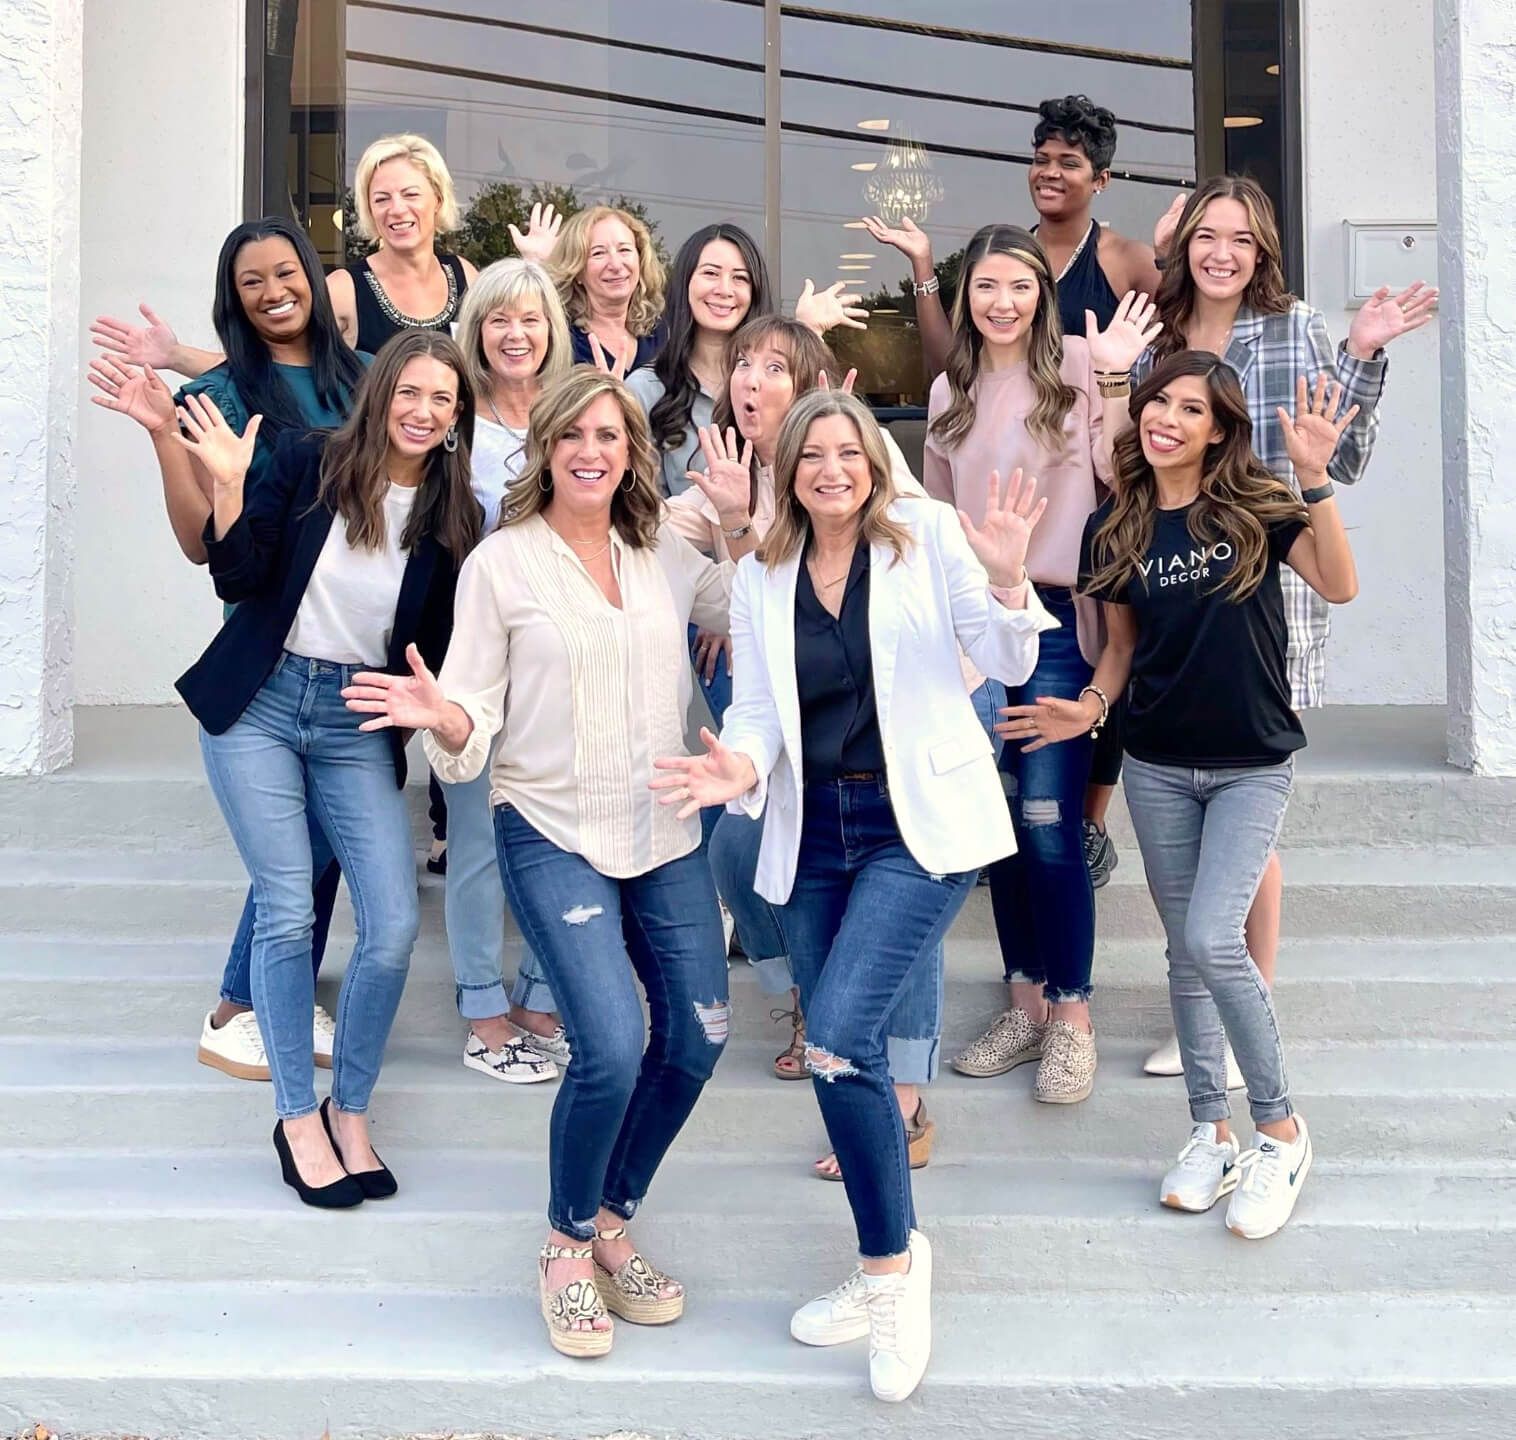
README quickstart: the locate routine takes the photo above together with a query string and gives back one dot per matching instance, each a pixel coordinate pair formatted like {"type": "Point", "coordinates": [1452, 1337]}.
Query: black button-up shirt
{"type": "Point", "coordinates": [834, 674]}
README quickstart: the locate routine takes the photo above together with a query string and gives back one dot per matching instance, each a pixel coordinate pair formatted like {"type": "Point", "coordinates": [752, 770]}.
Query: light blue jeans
{"type": "Point", "coordinates": [297, 745]}
{"type": "Point", "coordinates": [474, 909]}
{"type": "Point", "coordinates": [1206, 836]}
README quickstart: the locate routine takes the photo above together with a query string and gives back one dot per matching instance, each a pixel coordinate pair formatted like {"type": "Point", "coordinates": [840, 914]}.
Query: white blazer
{"type": "Point", "coordinates": [939, 764]}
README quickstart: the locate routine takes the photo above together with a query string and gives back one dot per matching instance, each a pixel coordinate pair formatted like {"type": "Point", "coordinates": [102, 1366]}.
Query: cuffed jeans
{"type": "Point", "coordinates": [474, 910]}
{"type": "Point", "coordinates": [298, 746]}
{"type": "Point", "coordinates": [861, 914]}
{"type": "Point", "coordinates": [621, 1102]}
{"type": "Point", "coordinates": [1043, 901]}
{"type": "Point", "coordinates": [1206, 836]}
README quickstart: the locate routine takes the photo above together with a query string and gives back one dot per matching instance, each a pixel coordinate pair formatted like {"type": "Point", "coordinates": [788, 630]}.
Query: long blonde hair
{"type": "Point", "coordinates": [792, 525]}
{"type": "Point", "coordinates": [426, 158]}
{"type": "Point", "coordinates": [636, 508]}
{"type": "Point", "coordinates": [572, 254]}
{"type": "Point", "coordinates": [508, 284]}
{"type": "Point", "coordinates": [1044, 357]}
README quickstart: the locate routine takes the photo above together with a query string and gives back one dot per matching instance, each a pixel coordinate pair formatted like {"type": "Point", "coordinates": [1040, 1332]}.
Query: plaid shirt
{"type": "Point", "coordinates": [1269, 352]}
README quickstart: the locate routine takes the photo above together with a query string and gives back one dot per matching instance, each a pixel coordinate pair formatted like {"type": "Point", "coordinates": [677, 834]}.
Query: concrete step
{"type": "Point", "coordinates": [1428, 1102]}
{"type": "Point", "coordinates": [1356, 991]}
{"type": "Point", "coordinates": [1433, 893]}
{"type": "Point", "coordinates": [219, 1362]}
{"type": "Point", "coordinates": [469, 1220]}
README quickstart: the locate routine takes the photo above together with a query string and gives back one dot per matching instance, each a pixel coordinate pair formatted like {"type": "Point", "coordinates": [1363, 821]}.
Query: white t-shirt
{"type": "Point", "coordinates": [498, 457]}
{"type": "Point", "coordinates": [348, 611]}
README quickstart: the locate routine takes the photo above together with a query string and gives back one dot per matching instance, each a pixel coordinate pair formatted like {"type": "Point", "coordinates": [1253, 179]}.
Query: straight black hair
{"type": "Point", "coordinates": [335, 367]}
{"type": "Point", "coordinates": [670, 417]}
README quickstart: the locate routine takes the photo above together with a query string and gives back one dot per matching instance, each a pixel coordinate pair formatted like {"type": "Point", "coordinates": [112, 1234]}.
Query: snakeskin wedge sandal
{"type": "Point", "coordinates": [632, 1292]}
{"type": "Point", "coordinates": [564, 1308]}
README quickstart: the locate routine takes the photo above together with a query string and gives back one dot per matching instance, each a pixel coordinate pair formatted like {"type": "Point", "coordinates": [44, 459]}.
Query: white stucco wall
{"type": "Point", "coordinates": [40, 102]}
{"type": "Point", "coordinates": [163, 126]}
{"type": "Point", "coordinates": [1369, 106]}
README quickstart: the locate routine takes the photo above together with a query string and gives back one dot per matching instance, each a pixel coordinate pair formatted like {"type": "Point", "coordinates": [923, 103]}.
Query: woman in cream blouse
{"type": "Point", "coordinates": [569, 640]}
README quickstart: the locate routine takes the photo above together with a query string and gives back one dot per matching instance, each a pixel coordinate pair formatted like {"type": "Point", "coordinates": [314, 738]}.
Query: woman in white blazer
{"type": "Point", "coordinates": [851, 732]}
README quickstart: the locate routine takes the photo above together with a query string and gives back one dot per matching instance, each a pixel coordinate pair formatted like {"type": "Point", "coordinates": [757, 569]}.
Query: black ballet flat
{"type": "Point", "coordinates": [341, 1194]}
{"type": "Point", "coordinates": [377, 1184]}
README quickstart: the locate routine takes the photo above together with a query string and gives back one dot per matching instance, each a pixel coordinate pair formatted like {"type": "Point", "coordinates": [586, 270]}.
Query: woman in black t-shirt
{"type": "Point", "coordinates": [1185, 557]}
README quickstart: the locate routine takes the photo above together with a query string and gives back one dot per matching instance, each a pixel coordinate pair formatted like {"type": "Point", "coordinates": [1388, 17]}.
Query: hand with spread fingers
{"type": "Point", "coordinates": [224, 454]}
{"type": "Point", "coordinates": [405, 702]}
{"type": "Point", "coordinates": [541, 237]}
{"type": "Point", "coordinates": [154, 344]}
{"type": "Point", "coordinates": [1311, 436]}
{"type": "Point", "coordinates": [1000, 542]}
{"type": "Point", "coordinates": [1134, 326]}
{"type": "Point", "coordinates": [694, 782]}
{"type": "Point", "coordinates": [1048, 721]}
{"type": "Point", "coordinates": [912, 242]}
{"type": "Point", "coordinates": [1383, 319]}
{"type": "Point", "coordinates": [823, 310]}
{"type": "Point", "coordinates": [727, 480]}
{"type": "Point", "coordinates": [134, 391]}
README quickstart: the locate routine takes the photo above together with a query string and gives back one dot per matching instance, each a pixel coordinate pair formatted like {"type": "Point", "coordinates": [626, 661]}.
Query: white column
{"type": "Point", "coordinates": [41, 103]}
{"type": "Point", "coordinates": [1476, 200]}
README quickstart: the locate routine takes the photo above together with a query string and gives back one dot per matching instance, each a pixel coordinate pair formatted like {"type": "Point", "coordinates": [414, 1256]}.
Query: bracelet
{"type": "Point", "coordinates": [739, 532]}
{"type": "Point", "coordinates": [927, 287]}
{"type": "Point", "coordinates": [1320, 493]}
{"type": "Point", "coordinates": [1105, 707]}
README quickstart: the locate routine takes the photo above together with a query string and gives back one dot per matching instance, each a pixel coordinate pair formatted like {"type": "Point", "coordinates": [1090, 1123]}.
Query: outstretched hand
{"type": "Point", "coordinates": [406, 702]}
{"type": "Point", "coordinates": [693, 782]}
{"type": "Point", "coordinates": [1133, 327]}
{"type": "Point", "coordinates": [154, 344]}
{"type": "Point", "coordinates": [204, 432]}
{"type": "Point", "coordinates": [1045, 723]}
{"type": "Point", "coordinates": [1382, 319]}
{"type": "Point", "coordinates": [541, 237]}
{"type": "Point", "coordinates": [823, 310]}
{"type": "Point", "coordinates": [912, 242]}
{"type": "Point", "coordinates": [1009, 519]}
{"type": "Point", "coordinates": [133, 391]}
{"type": "Point", "coordinates": [1310, 437]}
{"type": "Point", "coordinates": [727, 480]}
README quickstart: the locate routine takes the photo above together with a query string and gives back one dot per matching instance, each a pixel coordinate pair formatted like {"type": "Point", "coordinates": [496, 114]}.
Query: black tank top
{"type": "Point", "coordinates": [1083, 286]}
{"type": "Point", "coordinates": [379, 320]}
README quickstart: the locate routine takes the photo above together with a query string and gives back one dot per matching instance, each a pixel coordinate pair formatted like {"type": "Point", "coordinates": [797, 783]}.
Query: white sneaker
{"type": "Point", "coordinates": [323, 1036]}
{"type": "Point", "coordinates": [1205, 1171]}
{"type": "Point", "coordinates": [513, 1062]}
{"type": "Point", "coordinates": [554, 1047]}
{"type": "Point", "coordinates": [235, 1049]}
{"type": "Point", "coordinates": [900, 1324]}
{"type": "Point", "coordinates": [1272, 1176]}
{"type": "Point", "coordinates": [1165, 1061]}
{"type": "Point", "coordinates": [836, 1317]}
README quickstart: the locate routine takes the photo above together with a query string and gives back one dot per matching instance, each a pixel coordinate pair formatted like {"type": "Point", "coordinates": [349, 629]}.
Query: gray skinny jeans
{"type": "Point", "coordinates": [1206, 836]}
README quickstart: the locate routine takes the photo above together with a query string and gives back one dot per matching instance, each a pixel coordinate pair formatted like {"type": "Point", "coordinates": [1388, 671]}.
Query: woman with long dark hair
{"type": "Point", "coordinates": [286, 361]}
{"type": "Point", "coordinates": [1186, 558]}
{"type": "Point", "coordinates": [342, 559]}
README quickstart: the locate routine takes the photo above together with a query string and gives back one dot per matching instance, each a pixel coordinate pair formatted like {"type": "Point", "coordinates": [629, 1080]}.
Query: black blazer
{"type": "Point", "coordinates": [263, 566]}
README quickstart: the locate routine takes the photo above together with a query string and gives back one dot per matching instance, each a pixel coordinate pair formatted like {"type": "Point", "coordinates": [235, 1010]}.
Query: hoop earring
{"type": "Point", "coordinates": [450, 440]}
{"type": "Point", "coordinates": [629, 483]}
{"type": "Point", "coordinates": [545, 483]}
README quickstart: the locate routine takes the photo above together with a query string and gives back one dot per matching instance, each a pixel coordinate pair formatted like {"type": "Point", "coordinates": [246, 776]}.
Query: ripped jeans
{"type": "Point", "coordinates": [628, 1093]}
{"type": "Point", "coordinates": [1043, 901]}
{"type": "Point", "coordinates": [861, 915]}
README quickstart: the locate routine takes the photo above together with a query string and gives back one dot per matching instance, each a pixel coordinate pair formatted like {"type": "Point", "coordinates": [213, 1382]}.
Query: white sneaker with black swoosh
{"type": "Point", "coordinates": [1205, 1171]}
{"type": "Point", "coordinates": [1273, 1174]}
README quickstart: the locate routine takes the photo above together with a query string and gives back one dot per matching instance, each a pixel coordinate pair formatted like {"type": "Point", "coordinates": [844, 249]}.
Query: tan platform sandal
{"type": "Point", "coordinates": [564, 1308]}
{"type": "Point", "coordinates": [918, 1140]}
{"type": "Point", "coordinates": [632, 1292]}
{"type": "Point", "coordinates": [791, 1064]}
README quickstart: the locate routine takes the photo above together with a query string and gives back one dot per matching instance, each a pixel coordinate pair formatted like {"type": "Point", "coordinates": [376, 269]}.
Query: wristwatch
{"type": "Point", "coordinates": [1320, 493]}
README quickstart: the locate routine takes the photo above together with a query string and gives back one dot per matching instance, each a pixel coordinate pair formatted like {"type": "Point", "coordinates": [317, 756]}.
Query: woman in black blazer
{"type": "Point", "coordinates": [343, 559]}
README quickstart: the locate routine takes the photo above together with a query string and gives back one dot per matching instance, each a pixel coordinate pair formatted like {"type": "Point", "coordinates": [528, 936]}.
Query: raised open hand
{"type": "Point", "coordinates": [1009, 519]}
{"type": "Point", "coordinates": [727, 480]}
{"type": "Point", "coordinates": [693, 782]}
{"type": "Point", "coordinates": [133, 391]}
{"type": "Point", "coordinates": [1133, 327]}
{"type": "Point", "coordinates": [1047, 722]}
{"type": "Point", "coordinates": [1382, 319]}
{"type": "Point", "coordinates": [541, 237]}
{"type": "Point", "coordinates": [603, 361]}
{"type": "Point", "coordinates": [1168, 223]}
{"type": "Point", "coordinates": [1310, 438]}
{"type": "Point", "coordinates": [915, 244]}
{"type": "Point", "coordinates": [823, 310]}
{"type": "Point", "coordinates": [223, 453]}
{"type": "Point", "coordinates": [154, 344]}
{"type": "Point", "coordinates": [406, 702]}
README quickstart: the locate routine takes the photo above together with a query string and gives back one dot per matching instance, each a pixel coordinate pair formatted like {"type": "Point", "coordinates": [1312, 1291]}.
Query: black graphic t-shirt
{"type": "Point", "coordinates": [1209, 684]}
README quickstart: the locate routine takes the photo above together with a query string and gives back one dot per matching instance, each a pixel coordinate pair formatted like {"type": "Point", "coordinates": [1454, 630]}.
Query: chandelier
{"type": "Point", "coordinates": [903, 186]}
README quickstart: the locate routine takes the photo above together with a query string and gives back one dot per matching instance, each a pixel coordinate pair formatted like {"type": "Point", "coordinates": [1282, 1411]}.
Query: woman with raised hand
{"type": "Point", "coordinates": [852, 734]}
{"type": "Point", "coordinates": [1223, 292]}
{"type": "Point", "coordinates": [1019, 394]}
{"type": "Point", "coordinates": [570, 646]}
{"type": "Point", "coordinates": [343, 559]}
{"type": "Point", "coordinates": [1186, 559]}
{"type": "Point", "coordinates": [285, 361]}
{"type": "Point", "coordinates": [611, 282]}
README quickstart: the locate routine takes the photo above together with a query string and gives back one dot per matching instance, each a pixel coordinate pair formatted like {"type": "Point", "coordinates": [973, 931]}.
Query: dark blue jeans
{"type": "Point", "coordinates": [621, 1102]}
{"type": "Point", "coordinates": [1043, 901]}
{"type": "Point", "coordinates": [862, 912]}
{"type": "Point", "coordinates": [717, 695]}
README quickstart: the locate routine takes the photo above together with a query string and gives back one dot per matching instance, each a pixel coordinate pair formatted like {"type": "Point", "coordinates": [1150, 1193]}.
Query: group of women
{"type": "Point", "coordinates": [432, 503]}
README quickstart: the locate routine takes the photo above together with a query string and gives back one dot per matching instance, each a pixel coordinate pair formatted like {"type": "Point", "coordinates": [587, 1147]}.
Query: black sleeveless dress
{"type": "Point", "coordinates": [379, 320]}
{"type": "Point", "coordinates": [1083, 286]}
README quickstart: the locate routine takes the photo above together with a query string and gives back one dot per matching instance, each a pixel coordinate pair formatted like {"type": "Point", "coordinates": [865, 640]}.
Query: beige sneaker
{"type": "Point", "coordinates": [1010, 1041]}
{"type": "Point", "coordinates": [1066, 1074]}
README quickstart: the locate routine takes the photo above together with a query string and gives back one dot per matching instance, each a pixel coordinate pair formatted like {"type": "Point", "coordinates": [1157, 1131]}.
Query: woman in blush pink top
{"type": "Point", "coordinates": [1018, 394]}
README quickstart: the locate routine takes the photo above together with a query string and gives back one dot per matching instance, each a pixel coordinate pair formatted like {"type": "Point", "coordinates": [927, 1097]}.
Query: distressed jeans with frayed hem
{"type": "Point", "coordinates": [629, 1091]}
